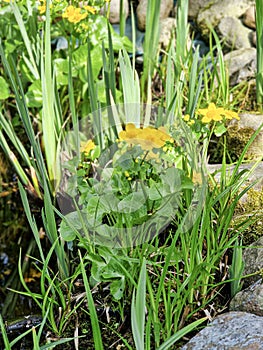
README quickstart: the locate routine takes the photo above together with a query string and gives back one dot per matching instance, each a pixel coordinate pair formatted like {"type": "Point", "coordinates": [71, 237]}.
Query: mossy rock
{"type": "Point", "coordinates": [240, 132]}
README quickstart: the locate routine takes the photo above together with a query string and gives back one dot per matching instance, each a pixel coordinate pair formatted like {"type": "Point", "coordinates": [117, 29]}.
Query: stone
{"type": "Point", "coordinates": [194, 6]}
{"type": "Point", "coordinates": [115, 10]}
{"type": "Point", "coordinates": [253, 38]}
{"type": "Point", "coordinates": [249, 18]}
{"type": "Point", "coordinates": [235, 34]}
{"type": "Point", "coordinates": [256, 175]}
{"type": "Point", "coordinates": [165, 9]}
{"type": "Point", "coordinates": [240, 131]}
{"type": "Point", "coordinates": [253, 260]}
{"type": "Point", "coordinates": [211, 15]}
{"type": "Point", "coordinates": [231, 331]}
{"type": "Point", "coordinates": [249, 299]}
{"type": "Point", "coordinates": [241, 65]}
{"type": "Point", "coordinates": [167, 27]}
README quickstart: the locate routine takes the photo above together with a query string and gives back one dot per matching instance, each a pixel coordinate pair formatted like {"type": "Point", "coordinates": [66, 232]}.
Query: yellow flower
{"type": "Point", "coordinates": [186, 118]}
{"type": "Point", "coordinates": [148, 138]}
{"type": "Point", "coordinates": [90, 9]}
{"type": "Point", "coordinates": [42, 9]}
{"type": "Point", "coordinates": [87, 147]}
{"type": "Point", "coordinates": [231, 115]}
{"type": "Point", "coordinates": [73, 14]}
{"type": "Point", "coordinates": [130, 132]}
{"type": "Point", "coordinates": [211, 113]}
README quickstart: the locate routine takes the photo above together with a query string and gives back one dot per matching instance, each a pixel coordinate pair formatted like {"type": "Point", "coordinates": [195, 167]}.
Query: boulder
{"type": "Point", "coordinates": [165, 10]}
{"type": "Point", "coordinates": [249, 300]}
{"type": "Point", "coordinates": [231, 331]}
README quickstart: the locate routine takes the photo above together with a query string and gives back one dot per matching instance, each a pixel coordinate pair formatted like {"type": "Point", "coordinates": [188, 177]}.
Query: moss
{"type": "Point", "coordinates": [236, 141]}
{"type": "Point", "coordinates": [251, 208]}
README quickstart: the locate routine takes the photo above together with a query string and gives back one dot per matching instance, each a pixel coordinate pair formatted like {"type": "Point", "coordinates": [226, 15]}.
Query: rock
{"type": "Point", "coordinates": [194, 6]}
{"type": "Point", "coordinates": [212, 14]}
{"type": "Point", "coordinates": [253, 38]}
{"type": "Point", "coordinates": [236, 36]}
{"type": "Point", "coordinates": [240, 131]}
{"type": "Point", "coordinates": [249, 18]}
{"type": "Point", "coordinates": [256, 175]}
{"type": "Point", "coordinates": [167, 26]}
{"type": "Point", "coordinates": [115, 10]}
{"type": "Point", "coordinates": [241, 65]}
{"type": "Point", "coordinates": [249, 299]}
{"type": "Point", "coordinates": [165, 9]}
{"type": "Point", "coordinates": [253, 260]}
{"type": "Point", "coordinates": [230, 331]}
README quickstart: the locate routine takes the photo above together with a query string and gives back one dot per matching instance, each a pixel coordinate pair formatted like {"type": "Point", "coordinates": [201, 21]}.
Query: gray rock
{"type": "Point", "coordinates": [235, 34]}
{"type": "Point", "coordinates": [249, 300]}
{"type": "Point", "coordinates": [167, 27]}
{"type": "Point", "coordinates": [194, 6]}
{"type": "Point", "coordinates": [165, 9]}
{"type": "Point", "coordinates": [239, 131]}
{"type": "Point", "coordinates": [253, 260]}
{"type": "Point", "coordinates": [230, 331]}
{"type": "Point", "coordinates": [256, 175]}
{"type": "Point", "coordinates": [211, 15]}
{"type": "Point", "coordinates": [241, 64]}
{"type": "Point", "coordinates": [115, 10]}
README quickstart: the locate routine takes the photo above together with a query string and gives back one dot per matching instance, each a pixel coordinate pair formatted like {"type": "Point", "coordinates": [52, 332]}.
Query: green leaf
{"type": "Point", "coordinates": [132, 202]}
{"type": "Point", "coordinates": [219, 130]}
{"type": "Point", "coordinates": [80, 61]}
{"type": "Point", "coordinates": [69, 225]}
{"type": "Point", "coordinates": [117, 288]}
{"type": "Point", "coordinates": [4, 89]}
{"type": "Point", "coordinates": [34, 95]}
{"type": "Point", "coordinates": [61, 69]}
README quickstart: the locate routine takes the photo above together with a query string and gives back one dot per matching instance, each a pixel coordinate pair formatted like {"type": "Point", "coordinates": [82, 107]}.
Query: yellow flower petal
{"type": "Point", "coordinates": [231, 115]}
{"type": "Point", "coordinates": [87, 147]}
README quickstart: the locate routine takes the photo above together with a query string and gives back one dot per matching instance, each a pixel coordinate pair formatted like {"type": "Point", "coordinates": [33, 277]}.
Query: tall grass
{"type": "Point", "coordinates": [150, 48]}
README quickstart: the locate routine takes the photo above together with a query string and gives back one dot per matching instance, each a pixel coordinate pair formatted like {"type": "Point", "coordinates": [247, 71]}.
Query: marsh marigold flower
{"type": "Point", "coordinates": [148, 138]}
{"type": "Point", "coordinates": [87, 147]}
{"type": "Point", "coordinates": [90, 9]}
{"type": "Point", "coordinates": [212, 113]}
{"type": "Point", "coordinates": [74, 14]}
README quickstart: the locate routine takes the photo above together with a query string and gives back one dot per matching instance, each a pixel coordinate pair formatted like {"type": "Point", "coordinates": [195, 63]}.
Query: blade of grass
{"type": "Point", "coordinates": [4, 334]}
{"type": "Point", "coordinates": [131, 90]}
{"type": "Point", "coordinates": [138, 309]}
{"type": "Point", "coordinates": [181, 333]}
{"type": "Point", "coordinates": [49, 122]}
{"type": "Point", "coordinates": [150, 44]}
{"type": "Point", "coordinates": [93, 314]}
{"type": "Point", "coordinates": [21, 24]}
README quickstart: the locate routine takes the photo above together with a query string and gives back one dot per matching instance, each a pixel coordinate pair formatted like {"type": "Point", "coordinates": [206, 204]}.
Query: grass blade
{"type": "Point", "coordinates": [93, 314]}
{"type": "Point", "coordinates": [181, 333]}
{"type": "Point", "coordinates": [138, 309]}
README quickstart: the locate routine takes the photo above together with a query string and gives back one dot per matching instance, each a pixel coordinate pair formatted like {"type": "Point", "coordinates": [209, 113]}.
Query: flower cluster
{"type": "Point", "coordinates": [76, 14]}
{"type": "Point", "coordinates": [72, 13]}
{"type": "Point", "coordinates": [212, 113]}
{"type": "Point", "coordinates": [148, 138]}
